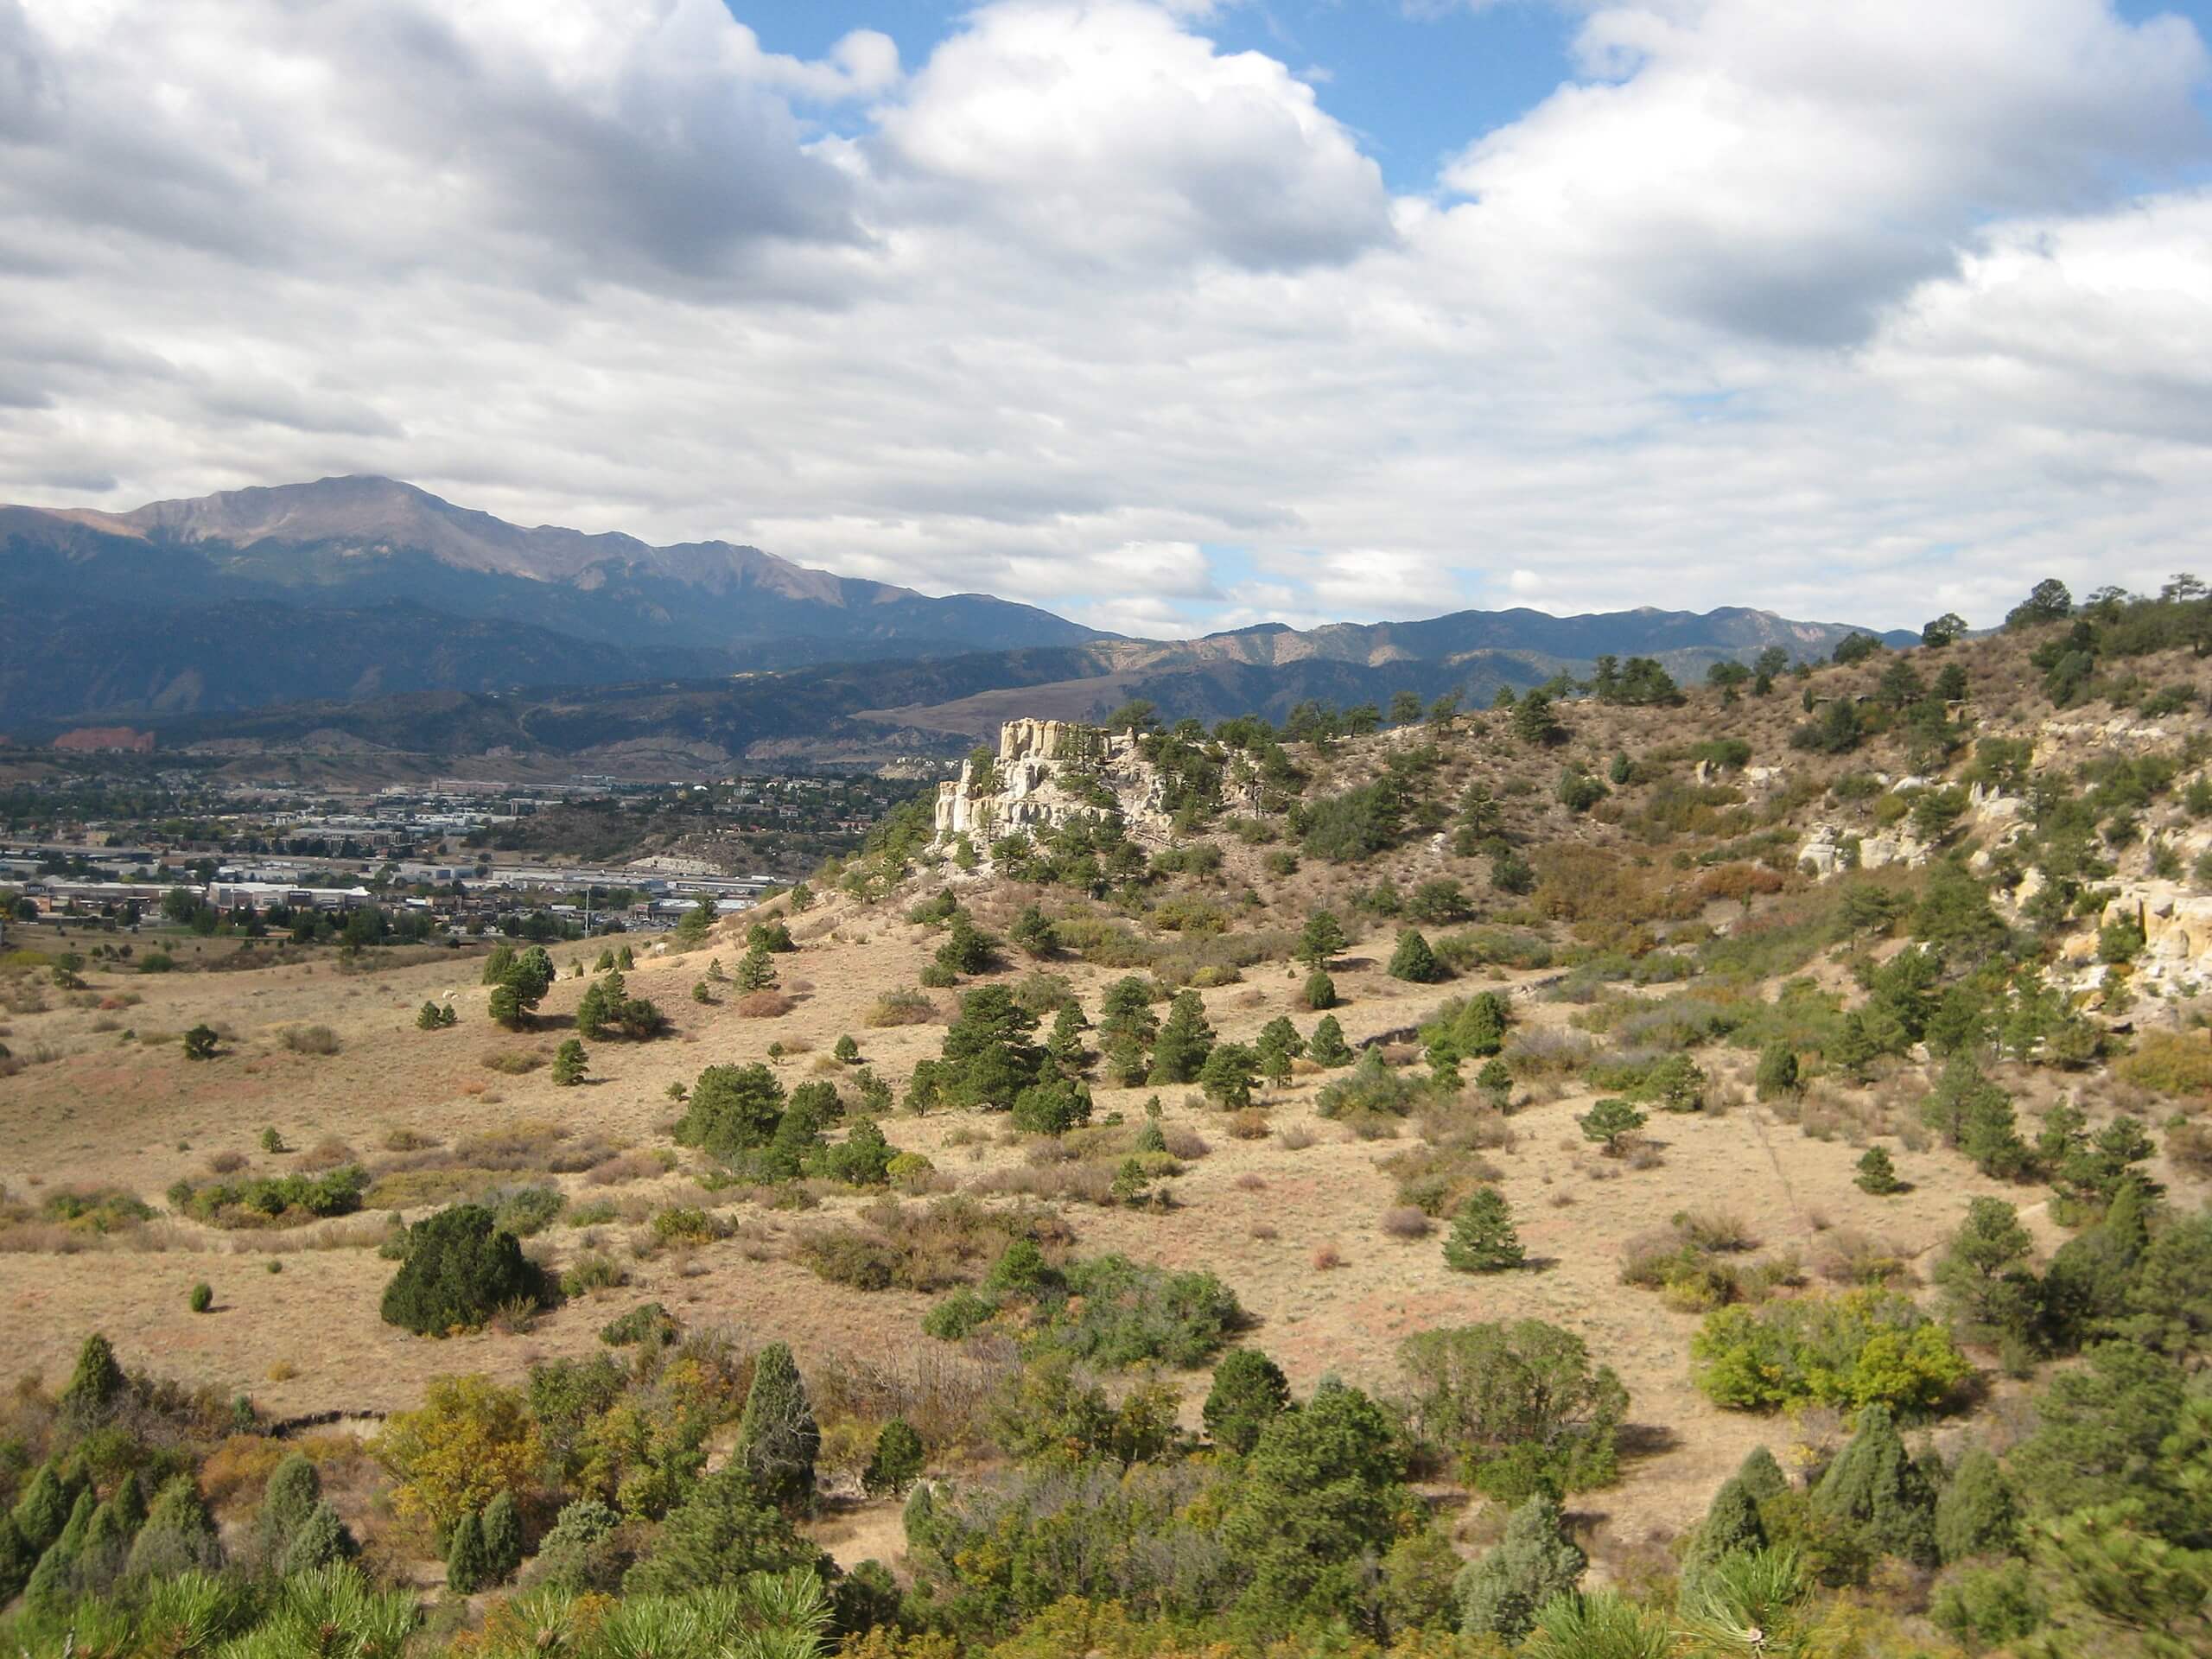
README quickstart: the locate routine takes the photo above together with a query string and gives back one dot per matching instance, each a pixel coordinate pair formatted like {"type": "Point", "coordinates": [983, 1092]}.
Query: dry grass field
{"type": "Point", "coordinates": [1291, 1220]}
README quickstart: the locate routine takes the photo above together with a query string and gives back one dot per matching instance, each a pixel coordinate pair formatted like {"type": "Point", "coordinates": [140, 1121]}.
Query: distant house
{"type": "Point", "coordinates": [97, 740]}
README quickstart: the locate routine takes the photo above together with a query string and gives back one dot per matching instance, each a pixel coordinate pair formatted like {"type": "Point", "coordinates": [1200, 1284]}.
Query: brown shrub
{"type": "Point", "coordinates": [1327, 1258]}
{"type": "Point", "coordinates": [901, 1008]}
{"type": "Point", "coordinates": [763, 1005]}
{"type": "Point", "coordinates": [1405, 1221]}
{"type": "Point", "coordinates": [327, 1154]}
{"type": "Point", "coordinates": [227, 1163]}
{"type": "Point", "coordinates": [624, 1166]}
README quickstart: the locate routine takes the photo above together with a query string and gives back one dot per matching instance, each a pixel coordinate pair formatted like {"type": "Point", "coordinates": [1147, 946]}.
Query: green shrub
{"type": "Point", "coordinates": [202, 1297]}
{"type": "Point", "coordinates": [461, 1269]}
{"type": "Point", "coordinates": [1863, 1347]}
{"type": "Point", "coordinates": [1518, 1405]}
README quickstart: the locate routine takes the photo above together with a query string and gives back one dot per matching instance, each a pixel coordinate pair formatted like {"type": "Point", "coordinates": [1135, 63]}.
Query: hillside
{"type": "Point", "coordinates": [1568, 1099]}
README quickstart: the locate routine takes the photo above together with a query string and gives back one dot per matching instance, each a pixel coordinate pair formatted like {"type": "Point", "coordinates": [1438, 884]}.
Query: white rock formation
{"type": "Point", "coordinates": [1046, 773]}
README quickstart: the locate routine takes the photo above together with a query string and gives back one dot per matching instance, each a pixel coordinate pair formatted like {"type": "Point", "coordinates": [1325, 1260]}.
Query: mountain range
{"type": "Point", "coordinates": [367, 611]}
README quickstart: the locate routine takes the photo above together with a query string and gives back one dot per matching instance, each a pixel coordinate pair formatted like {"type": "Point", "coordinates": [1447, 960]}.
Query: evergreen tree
{"type": "Point", "coordinates": [95, 1389]}
{"type": "Point", "coordinates": [777, 1438]}
{"type": "Point", "coordinates": [1032, 930]}
{"type": "Point", "coordinates": [1732, 1524]}
{"type": "Point", "coordinates": [468, 1569]}
{"type": "Point", "coordinates": [502, 1538]}
{"type": "Point", "coordinates": [52, 1584]}
{"type": "Point", "coordinates": [461, 1267]}
{"type": "Point", "coordinates": [1250, 1391]}
{"type": "Point", "coordinates": [1066, 1045]}
{"type": "Point", "coordinates": [42, 1509]}
{"type": "Point", "coordinates": [1977, 1514]}
{"type": "Point", "coordinates": [1320, 991]}
{"type": "Point", "coordinates": [1323, 1491]}
{"type": "Point", "coordinates": [581, 1553]}
{"type": "Point", "coordinates": [1878, 1174]}
{"type": "Point", "coordinates": [290, 1499]}
{"type": "Point", "coordinates": [323, 1540]}
{"type": "Point", "coordinates": [1608, 1122]}
{"type": "Point", "coordinates": [1185, 1042]}
{"type": "Point", "coordinates": [1413, 962]}
{"type": "Point", "coordinates": [1777, 1071]}
{"type": "Point", "coordinates": [1321, 939]}
{"type": "Point", "coordinates": [179, 1536]}
{"type": "Point", "coordinates": [1989, 1290]}
{"type": "Point", "coordinates": [568, 1062]}
{"type": "Point", "coordinates": [17, 1560]}
{"type": "Point", "coordinates": [1853, 1052]}
{"type": "Point", "coordinates": [1278, 1045]}
{"type": "Point", "coordinates": [896, 1463]}
{"type": "Point", "coordinates": [1533, 1564]}
{"type": "Point", "coordinates": [756, 971]}
{"type": "Point", "coordinates": [1483, 1239]}
{"type": "Point", "coordinates": [1328, 1048]}
{"type": "Point", "coordinates": [732, 1110]}
{"type": "Point", "coordinates": [1876, 1489]}
{"type": "Point", "coordinates": [1761, 1475]}
{"type": "Point", "coordinates": [1226, 1076]}
{"type": "Point", "coordinates": [725, 1530]}
{"type": "Point", "coordinates": [2170, 1302]}
{"type": "Point", "coordinates": [845, 1051]}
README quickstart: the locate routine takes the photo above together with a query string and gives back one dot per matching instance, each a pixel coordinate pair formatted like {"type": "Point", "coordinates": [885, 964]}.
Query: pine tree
{"type": "Point", "coordinates": [594, 1011]}
{"type": "Point", "coordinates": [896, 1463]}
{"type": "Point", "coordinates": [1328, 1048]}
{"type": "Point", "coordinates": [1321, 939]}
{"type": "Point", "coordinates": [1987, 1285]}
{"type": "Point", "coordinates": [1483, 1239]}
{"type": "Point", "coordinates": [1853, 1050]}
{"type": "Point", "coordinates": [1608, 1122]}
{"type": "Point", "coordinates": [1977, 1514]}
{"type": "Point", "coordinates": [845, 1051]}
{"type": "Point", "coordinates": [777, 1438]}
{"type": "Point", "coordinates": [1185, 1042]}
{"type": "Point", "coordinates": [461, 1267]}
{"type": "Point", "coordinates": [1413, 962]}
{"type": "Point", "coordinates": [1032, 930]}
{"type": "Point", "coordinates": [501, 1529]}
{"type": "Point", "coordinates": [756, 971]}
{"type": "Point", "coordinates": [468, 1568]}
{"type": "Point", "coordinates": [568, 1061]}
{"type": "Point", "coordinates": [1877, 1173]}
{"type": "Point", "coordinates": [107, 1540]}
{"type": "Point", "coordinates": [1066, 1044]}
{"type": "Point", "coordinates": [1226, 1076]}
{"type": "Point", "coordinates": [1533, 1564]}
{"type": "Point", "coordinates": [1250, 1391]}
{"type": "Point", "coordinates": [1874, 1486]}
{"type": "Point", "coordinates": [321, 1540]}
{"type": "Point", "coordinates": [1320, 991]}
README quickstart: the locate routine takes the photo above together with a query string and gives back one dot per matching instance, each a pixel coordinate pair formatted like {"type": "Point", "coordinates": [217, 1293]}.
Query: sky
{"type": "Point", "coordinates": [1168, 315]}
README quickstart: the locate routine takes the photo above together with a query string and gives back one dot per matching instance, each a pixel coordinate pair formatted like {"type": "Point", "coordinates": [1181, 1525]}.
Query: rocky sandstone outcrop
{"type": "Point", "coordinates": [1046, 773]}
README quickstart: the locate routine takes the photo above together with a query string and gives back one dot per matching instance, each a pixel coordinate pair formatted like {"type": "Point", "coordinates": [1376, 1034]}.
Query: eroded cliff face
{"type": "Point", "coordinates": [1046, 773]}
